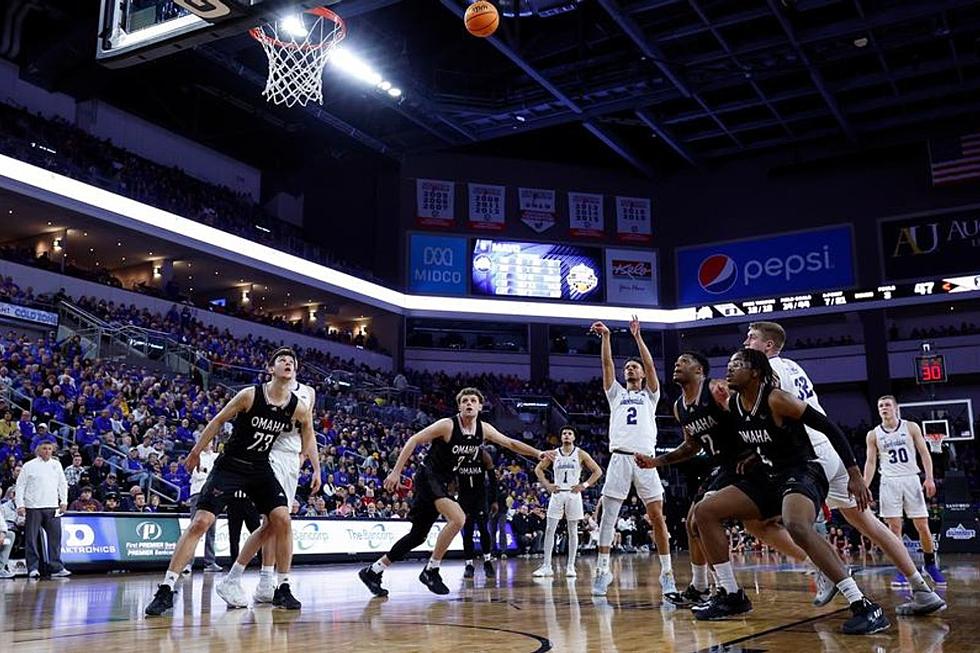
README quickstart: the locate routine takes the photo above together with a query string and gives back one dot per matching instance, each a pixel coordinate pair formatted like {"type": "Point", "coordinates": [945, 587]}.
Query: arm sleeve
{"type": "Point", "coordinates": [817, 420]}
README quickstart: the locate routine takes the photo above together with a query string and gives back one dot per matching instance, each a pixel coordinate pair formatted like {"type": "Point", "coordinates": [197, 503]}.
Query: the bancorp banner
{"type": "Point", "coordinates": [437, 264]}
{"type": "Point", "coordinates": [632, 278]}
{"type": "Point", "coordinates": [931, 244]}
{"type": "Point", "coordinates": [781, 264]}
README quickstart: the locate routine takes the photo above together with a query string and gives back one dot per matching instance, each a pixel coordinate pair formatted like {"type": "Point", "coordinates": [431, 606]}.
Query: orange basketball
{"type": "Point", "coordinates": [481, 19]}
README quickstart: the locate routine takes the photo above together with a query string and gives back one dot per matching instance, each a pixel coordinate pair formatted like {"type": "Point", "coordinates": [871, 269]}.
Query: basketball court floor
{"type": "Point", "coordinates": [512, 613]}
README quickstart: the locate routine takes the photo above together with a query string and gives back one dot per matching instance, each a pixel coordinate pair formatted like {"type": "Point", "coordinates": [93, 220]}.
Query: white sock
{"type": "Point", "coordinates": [433, 563]}
{"type": "Point", "coordinates": [699, 575]}
{"type": "Point", "coordinates": [549, 540]}
{"type": "Point", "coordinates": [850, 590]}
{"type": "Point", "coordinates": [266, 573]}
{"type": "Point", "coordinates": [918, 583]}
{"type": "Point", "coordinates": [487, 557]}
{"type": "Point", "coordinates": [283, 579]}
{"type": "Point", "coordinates": [726, 577]}
{"type": "Point", "coordinates": [665, 565]}
{"type": "Point", "coordinates": [572, 542]}
{"type": "Point", "coordinates": [379, 566]}
{"type": "Point", "coordinates": [170, 578]}
{"type": "Point", "coordinates": [469, 563]}
{"type": "Point", "coordinates": [236, 572]}
{"type": "Point", "coordinates": [603, 562]}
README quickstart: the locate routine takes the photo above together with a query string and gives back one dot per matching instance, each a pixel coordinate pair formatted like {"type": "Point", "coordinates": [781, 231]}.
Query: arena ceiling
{"type": "Point", "coordinates": [655, 85]}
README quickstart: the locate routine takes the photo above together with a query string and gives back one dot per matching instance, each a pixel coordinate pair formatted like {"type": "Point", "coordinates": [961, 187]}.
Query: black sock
{"type": "Point", "coordinates": [930, 558]}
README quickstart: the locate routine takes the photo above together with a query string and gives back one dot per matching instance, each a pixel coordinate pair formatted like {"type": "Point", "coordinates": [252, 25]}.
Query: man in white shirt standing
{"type": "Point", "coordinates": [198, 477]}
{"type": "Point", "coordinates": [42, 495]}
{"type": "Point", "coordinates": [632, 430]}
{"type": "Point", "coordinates": [6, 546]}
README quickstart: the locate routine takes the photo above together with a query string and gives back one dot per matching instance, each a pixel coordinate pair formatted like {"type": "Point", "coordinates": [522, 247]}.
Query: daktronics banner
{"type": "Point", "coordinates": [437, 264]}
{"type": "Point", "coordinates": [932, 244]}
{"type": "Point", "coordinates": [631, 277]}
{"type": "Point", "coordinates": [776, 265]}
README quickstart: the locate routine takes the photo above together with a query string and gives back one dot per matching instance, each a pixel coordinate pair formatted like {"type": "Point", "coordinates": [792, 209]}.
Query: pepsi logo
{"type": "Point", "coordinates": [717, 274]}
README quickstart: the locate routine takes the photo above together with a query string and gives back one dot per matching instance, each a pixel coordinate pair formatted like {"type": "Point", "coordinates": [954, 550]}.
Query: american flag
{"type": "Point", "coordinates": [954, 159]}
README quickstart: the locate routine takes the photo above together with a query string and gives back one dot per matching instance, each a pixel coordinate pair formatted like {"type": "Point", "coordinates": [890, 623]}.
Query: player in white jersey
{"type": "Point", "coordinates": [843, 476]}
{"type": "Point", "coordinates": [285, 458]}
{"type": "Point", "coordinates": [566, 497]}
{"type": "Point", "coordinates": [632, 430]}
{"type": "Point", "coordinates": [896, 441]}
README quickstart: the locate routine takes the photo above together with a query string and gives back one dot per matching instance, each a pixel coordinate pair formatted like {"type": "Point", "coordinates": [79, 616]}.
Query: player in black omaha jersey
{"type": "Point", "coordinates": [702, 410]}
{"type": "Point", "coordinates": [472, 480]}
{"type": "Point", "coordinates": [261, 413]}
{"type": "Point", "coordinates": [455, 440]}
{"type": "Point", "coordinates": [793, 487]}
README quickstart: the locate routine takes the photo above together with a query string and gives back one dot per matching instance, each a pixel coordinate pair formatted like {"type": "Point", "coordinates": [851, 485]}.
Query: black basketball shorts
{"type": "Point", "coordinates": [767, 488]}
{"type": "Point", "coordinates": [719, 478]}
{"type": "Point", "coordinates": [255, 479]}
{"type": "Point", "coordinates": [428, 489]}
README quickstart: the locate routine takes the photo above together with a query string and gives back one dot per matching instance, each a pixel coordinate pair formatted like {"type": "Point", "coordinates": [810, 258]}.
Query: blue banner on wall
{"type": "Point", "coordinates": [437, 264]}
{"type": "Point", "coordinates": [771, 266]}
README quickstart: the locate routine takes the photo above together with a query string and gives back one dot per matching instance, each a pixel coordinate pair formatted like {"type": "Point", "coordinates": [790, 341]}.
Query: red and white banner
{"type": "Point", "coordinates": [435, 203]}
{"type": "Point", "coordinates": [538, 209]}
{"type": "Point", "coordinates": [487, 207]}
{"type": "Point", "coordinates": [633, 220]}
{"type": "Point", "coordinates": [585, 216]}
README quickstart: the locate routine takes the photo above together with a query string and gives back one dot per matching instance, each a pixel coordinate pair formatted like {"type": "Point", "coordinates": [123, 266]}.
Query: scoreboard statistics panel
{"type": "Point", "coordinates": [539, 270]}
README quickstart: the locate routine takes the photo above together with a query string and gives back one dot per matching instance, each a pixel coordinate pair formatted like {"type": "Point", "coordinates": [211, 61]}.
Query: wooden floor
{"type": "Point", "coordinates": [104, 614]}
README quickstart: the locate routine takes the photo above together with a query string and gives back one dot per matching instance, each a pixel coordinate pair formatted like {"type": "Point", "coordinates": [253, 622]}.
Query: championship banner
{"type": "Point", "coordinates": [585, 216]}
{"type": "Point", "coordinates": [633, 220]}
{"type": "Point", "coordinates": [435, 203]}
{"type": "Point", "coordinates": [487, 207]}
{"type": "Point", "coordinates": [537, 206]}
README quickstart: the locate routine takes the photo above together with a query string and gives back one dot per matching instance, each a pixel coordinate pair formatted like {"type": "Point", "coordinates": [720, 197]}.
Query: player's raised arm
{"type": "Point", "coordinates": [649, 369]}
{"type": "Point", "coordinates": [442, 428]}
{"type": "Point", "coordinates": [871, 460]}
{"type": "Point", "coordinates": [608, 369]}
{"type": "Point", "coordinates": [239, 403]}
{"type": "Point", "coordinates": [491, 433]}
{"type": "Point", "coordinates": [929, 485]}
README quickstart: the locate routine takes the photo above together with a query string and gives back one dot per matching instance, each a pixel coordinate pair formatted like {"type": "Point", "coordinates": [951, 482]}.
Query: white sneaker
{"type": "Point", "coordinates": [601, 583]}
{"type": "Point", "coordinates": [543, 572]}
{"type": "Point", "coordinates": [34, 573]}
{"type": "Point", "coordinates": [264, 592]}
{"type": "Point", "coordinates": [570, 571]}
{"type": "Point", "coordinates": [186, 571]}
{"type": "Point", "coordinates": [230, 590]}
{"type": "Point", "coordinates": [667, 583]}
{"type": "Point", "coordinates": [64, 573]}
{"type": "Point", "coordinates": [6, 573]}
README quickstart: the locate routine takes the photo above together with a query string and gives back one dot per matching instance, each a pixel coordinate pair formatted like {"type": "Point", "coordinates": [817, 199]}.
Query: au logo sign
{"type": "Point", "coordinates": [930, 245]}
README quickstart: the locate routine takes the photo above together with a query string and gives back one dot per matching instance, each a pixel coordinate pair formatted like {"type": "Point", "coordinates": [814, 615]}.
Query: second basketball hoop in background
{"type": "Point", "coordinates": [298, 47]}
{"type": "Point", "coordinates": [481, 19]}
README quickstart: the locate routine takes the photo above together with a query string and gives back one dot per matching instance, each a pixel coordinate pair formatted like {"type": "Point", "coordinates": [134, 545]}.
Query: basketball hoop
{"type": "Point", "coordinates": [297, 53]}
{"type": "Point", "coordinates": [935, 441]}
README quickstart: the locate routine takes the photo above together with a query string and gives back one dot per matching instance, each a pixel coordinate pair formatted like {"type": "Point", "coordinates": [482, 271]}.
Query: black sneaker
{"type": "Point", "coordinates": [724, 605]}
{"type": "Point", "coordinates": [372, 580]}
{"type": "Point", "coordinates": [162, 601]}
{"type": "Point", "coordinates": [468, 572]}
{"type": "Point", "coordinates": [868, 619]}
{"type": "Point", "coordinates": [431, 579]}
{"type": "Point", "coordinates": [283, 598]}
{"type": "Point", "coordinates": [689, 598]}
{"type": "Point", "coordinates": [488, 569]}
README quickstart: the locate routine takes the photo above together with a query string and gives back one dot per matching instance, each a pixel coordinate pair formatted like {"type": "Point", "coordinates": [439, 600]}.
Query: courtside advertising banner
{"type": "Point", "coordinates": [538, 208]}
{"type": "Point", "coordinates": [634, 222]}
{"type": "Point", "coordinates": [632, 278]}
{"type": "Point", "coordinates": [437, 264]}
{"type": "Point", "coordinates": [487, 207]}
{"type": "Point", "coordinates": [435, 203]}
{"type": "Point", "coordinates": [585, 216]}
{"type": "Point", "coordinates": [778, 265]}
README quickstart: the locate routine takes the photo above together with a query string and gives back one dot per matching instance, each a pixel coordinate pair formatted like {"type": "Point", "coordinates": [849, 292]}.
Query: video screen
{"type": "Point", "coordinates": [537, 270]}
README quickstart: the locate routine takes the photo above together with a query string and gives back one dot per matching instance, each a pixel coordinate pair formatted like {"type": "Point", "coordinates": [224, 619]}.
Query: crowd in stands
{"type": "Point", "coordinates": [963, 329]}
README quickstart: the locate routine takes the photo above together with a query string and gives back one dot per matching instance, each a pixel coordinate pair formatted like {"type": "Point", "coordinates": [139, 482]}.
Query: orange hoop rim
{"type": "Point", "coordinates": [258, 33]}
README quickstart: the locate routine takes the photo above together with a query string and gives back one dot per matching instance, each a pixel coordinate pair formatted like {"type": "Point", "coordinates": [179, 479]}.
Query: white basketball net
{"type": "Point", "coordinates": [296, 60]}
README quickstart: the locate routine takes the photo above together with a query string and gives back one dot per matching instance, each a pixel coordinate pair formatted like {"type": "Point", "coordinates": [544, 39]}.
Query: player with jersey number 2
{"type": "Point", "coordinates": [632, 430]}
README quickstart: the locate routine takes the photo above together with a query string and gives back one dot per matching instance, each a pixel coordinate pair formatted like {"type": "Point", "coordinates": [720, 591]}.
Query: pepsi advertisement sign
{"type": "Point", "coordinates": [437, 264]}
{"type": "Point", "coordinates": [777, 265]}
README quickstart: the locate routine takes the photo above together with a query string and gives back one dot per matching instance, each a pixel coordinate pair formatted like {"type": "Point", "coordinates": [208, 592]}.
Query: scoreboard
{"type": "Point", "coordinates": [834, 298]}
{"type": "Point", "coordinates": [547, 271]}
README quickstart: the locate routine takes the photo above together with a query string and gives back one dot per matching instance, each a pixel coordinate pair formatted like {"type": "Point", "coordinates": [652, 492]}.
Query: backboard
{"type": "Point", "coordinates": [135, 31]}
{"type": "Point", "coordinates": [951, 417]}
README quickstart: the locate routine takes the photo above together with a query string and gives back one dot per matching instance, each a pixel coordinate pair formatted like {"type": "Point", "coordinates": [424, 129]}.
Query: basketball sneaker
{"type": "Point", "coordinates": [868, 618]}
{"type": "Point", "coordinates": [468, 572]}
{"type": "Point", "coordinates": [265, 591]}
{"type": "Point", "coordinates": [543, 572]}
{"type": "Point", "coordinates": [433, 580]}
{"type": "Point", "coordinates": [723, 605]}
{"type": "Point", "coordinates": [230, 590]}
{"type": "Point", "coordinates": [570, 571]}
{"type": "Point", "coordinates": [162, 601]}
{"type": "Point", "coordinates": [923, 602]}
{"type": "Point", "coordinates": [936, 575]}
{"type": "Point", "coordinates": [667, 583]}
{"type": "Point", "coordinates": [826, 590]}
{"type": "Point", "coordinates": [689, 598]}
{"type": "Point", "coordinates": [372, 580]}
{"type": "Point", "coordinates": [488, 569]}
{"type": "Point", "coordinates": [900, 581]}
{"type": "Point", "coordinates": [600, 584]}
{"type": "Point", "coordinates": [6, 573]}
{"type": "Point", "coordinates": [61, 573]}
{"type": "Point", "coordinates": [186, 571]}
{"type": "Point", "coordinates": [284, 599]}
{"type": "Point", "coordinates": [213, 568]}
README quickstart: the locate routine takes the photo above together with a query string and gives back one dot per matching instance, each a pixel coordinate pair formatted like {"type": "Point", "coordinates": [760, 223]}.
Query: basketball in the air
{"type": "Point", "coordinates": [481, 19]}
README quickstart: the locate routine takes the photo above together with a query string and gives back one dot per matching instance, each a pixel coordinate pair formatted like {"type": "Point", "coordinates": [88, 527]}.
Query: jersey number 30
{"type": "Point", "coordinates": [898, 455]}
